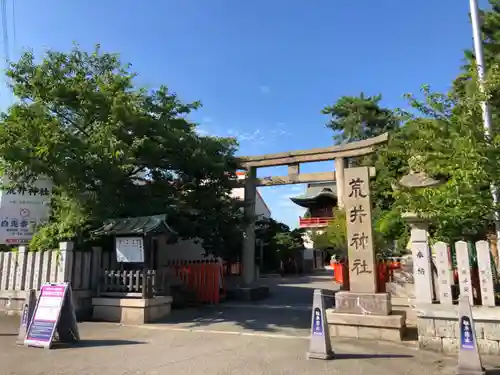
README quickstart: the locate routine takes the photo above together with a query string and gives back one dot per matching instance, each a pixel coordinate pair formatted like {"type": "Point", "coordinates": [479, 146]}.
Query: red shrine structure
{"type": "Point", "coordinates": [320, 199]}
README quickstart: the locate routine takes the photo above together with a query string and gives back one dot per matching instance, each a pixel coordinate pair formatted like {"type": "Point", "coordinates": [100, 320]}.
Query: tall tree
{"type": "Point", "coordinates": [355, 118]}
{"type": "Point", "coordinates": [446, 140]}
{"type": "Point", "coordinates": [279, 241]}
{"type": "Point", "coordinates": [113, 149]}
{"type": "Point", "coordinates": [363, 117]}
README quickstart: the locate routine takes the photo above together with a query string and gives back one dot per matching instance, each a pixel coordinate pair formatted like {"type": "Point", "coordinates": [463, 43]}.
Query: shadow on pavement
{"type": "Point", "coordinates": [95, 343]}
{"type": "Point", "coordinates": [228, 318]}
{"type": "Point", "coordinates": [370, 356]}
{"type": "Point", "coordinates": [286, 310]}
{"type": "Point", "coordinates": [8, 334]}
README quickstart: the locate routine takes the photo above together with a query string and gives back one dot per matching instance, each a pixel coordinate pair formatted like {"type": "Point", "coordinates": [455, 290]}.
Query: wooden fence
{"type": "Point", "coordinates": [22, 270]}
{"type": "Point", "coordinates": [96, 272]}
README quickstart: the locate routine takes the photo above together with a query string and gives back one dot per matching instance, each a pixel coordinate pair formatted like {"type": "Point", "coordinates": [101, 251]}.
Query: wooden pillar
{"type": "Point", "coordinates": [249, 235]}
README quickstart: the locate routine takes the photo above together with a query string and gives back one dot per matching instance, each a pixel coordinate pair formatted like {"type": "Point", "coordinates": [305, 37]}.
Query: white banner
{"type": "Point", "coordinates": [22, 209]}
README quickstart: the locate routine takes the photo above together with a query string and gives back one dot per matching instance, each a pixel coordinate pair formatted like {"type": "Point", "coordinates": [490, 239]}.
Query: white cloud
{"type": "Point", "coordinates": [202, 131]}
{"type": "Point", "coordinates": [246, 137]}
{"type": "Point", "coordinates": [265, 89]}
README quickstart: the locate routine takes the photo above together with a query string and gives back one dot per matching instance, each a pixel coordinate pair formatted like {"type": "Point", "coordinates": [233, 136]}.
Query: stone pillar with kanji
{"type": "Point", "coordinates": [362, 312]}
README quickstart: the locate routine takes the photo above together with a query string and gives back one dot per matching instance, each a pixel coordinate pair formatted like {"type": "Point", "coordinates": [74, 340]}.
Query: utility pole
{"type": "Point", "coordinates": [478, 51]}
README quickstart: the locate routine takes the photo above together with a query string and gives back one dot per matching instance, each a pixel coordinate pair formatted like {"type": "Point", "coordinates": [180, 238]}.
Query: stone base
{"type": "Point", "coordinates": [252, 293]}
{"type": "Point", "coordinates": [400, 290]}
{"type": "Point", "coordinates": [11, 302]}
{"type": "Point", "coordinates": [131, 310]}
{"type": "Point", "coordinates": [373, 327]}
{"type": "Point", "coordinates": [326, 356]}
{"type": "Point", "coordinates": [438, 329]}
{"type": "Point", "coordinates": [363, 303]}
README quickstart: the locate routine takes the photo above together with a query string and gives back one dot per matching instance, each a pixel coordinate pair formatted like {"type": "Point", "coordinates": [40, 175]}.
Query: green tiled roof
{"type": "Point", "coordinates": [316, 190]}
{"type": "Point", "coordinates": [135, 225]}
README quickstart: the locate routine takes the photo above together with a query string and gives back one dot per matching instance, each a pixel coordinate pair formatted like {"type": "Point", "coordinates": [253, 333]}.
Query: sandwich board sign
{"type": "Point", "coordinates": [54, 312]}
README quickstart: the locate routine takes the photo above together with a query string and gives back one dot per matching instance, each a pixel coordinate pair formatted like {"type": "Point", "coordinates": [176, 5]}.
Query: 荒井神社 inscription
{"type": "Point", "coordinates": [359, 230]}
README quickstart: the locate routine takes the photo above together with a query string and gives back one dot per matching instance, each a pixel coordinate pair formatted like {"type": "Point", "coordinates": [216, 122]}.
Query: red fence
{"type": "Point", "coordinates": [384, 273]}
{"type": "Point", "coordinates": [202, 277]}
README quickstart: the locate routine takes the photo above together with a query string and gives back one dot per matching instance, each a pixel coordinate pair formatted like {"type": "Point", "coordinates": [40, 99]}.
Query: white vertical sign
{"type": "Point", "coordinates": [463, 265]}
{"type": "Point", "coordinates": [421, 265]}
{"type": "Point", "coordinates": [485, 274]}
{"type": "Point", "coordinates": [444, 272]}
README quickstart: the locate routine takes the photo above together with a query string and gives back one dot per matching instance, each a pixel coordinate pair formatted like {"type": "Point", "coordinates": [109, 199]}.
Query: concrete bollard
{"type": "Point", "coordinates": [26, 315]}
{"type": "Point", "coordinates": [469, 361]}
{"type": "Point", "coordinates": [320, 346]}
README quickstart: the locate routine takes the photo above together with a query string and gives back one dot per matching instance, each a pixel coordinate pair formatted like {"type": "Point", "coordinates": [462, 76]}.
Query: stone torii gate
{"type": "Point", "coordinates": [293, 159]}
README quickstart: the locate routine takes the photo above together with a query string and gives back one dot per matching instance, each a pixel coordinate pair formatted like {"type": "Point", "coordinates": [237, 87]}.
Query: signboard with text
{"type": "Point", "coordinates": [129, 249]}
{"type": "Point", "coordinates": [54, 311]}
{"type": "Point", "coordinates": [21, 209]}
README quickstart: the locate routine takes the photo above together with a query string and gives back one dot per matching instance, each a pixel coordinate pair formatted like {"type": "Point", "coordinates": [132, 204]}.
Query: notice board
{"type": "Point", "coordinates": [54, 312]}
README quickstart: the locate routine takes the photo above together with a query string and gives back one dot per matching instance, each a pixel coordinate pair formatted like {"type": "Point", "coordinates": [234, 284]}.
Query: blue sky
{"type": "Point", "coordinates": [263, 69]}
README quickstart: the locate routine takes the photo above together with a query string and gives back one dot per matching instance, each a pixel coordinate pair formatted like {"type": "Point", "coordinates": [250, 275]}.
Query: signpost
{"type": "Point", "coordinates": [26, 315]}
{"type": "Point", "coordinates": [320, 345]}
{"type": "Point", "coordinates": [469, 361]}
{"type": "Point", "coordinates": [54, 312]}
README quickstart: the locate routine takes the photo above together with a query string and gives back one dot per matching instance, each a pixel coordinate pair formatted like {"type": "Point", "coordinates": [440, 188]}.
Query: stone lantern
{"type": "Point", "coordinates": [424, 290]}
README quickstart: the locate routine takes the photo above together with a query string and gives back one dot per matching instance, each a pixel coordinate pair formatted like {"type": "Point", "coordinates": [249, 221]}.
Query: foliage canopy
{"type": "Point", "coordinates": [114, 150]}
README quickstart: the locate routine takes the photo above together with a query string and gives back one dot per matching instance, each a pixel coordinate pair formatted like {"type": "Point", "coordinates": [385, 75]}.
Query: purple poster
{"type": "Point", "coordinates": [46, 315]}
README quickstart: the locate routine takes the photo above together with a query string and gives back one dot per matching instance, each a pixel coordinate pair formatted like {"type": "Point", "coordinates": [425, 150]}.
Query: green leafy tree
{"type": "Point", "coordinates": [355, 118]}
{"type": "Point", "coordinates": [447, 141]}
{"type": "Point", "coordinates": [114, 150]}
{"type": "Point", "coordinates": [279, 241]}
{"type": "Point", "coordinates": [334, 237]}
{"type": "Point", "coordinates": [363, 117]}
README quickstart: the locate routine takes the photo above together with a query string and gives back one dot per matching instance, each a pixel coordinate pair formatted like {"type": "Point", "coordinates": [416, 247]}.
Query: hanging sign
{"type": "Point", "coordinates": [129, 249]}
{"type": "Point", "coordinates": [53, 312]}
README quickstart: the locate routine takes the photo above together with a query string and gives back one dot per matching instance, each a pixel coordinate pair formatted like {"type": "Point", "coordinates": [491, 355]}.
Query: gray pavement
{"type": "Point", "coordinates": [109, 349]}
{"type": "Point", "coordinates": [269, 337]}
{"type": "Point", "coordinates": [294, 291]}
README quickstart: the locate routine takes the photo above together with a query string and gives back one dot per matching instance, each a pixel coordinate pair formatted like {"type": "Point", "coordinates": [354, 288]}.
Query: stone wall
{"type": "Point", "coordinates": [11, 303]}
{"type": "Point", "coordinates": [438, 329]}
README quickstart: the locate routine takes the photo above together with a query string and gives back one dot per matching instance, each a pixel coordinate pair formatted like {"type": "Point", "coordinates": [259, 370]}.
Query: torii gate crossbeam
{"type": "Point", "coordinates": [293, 159]}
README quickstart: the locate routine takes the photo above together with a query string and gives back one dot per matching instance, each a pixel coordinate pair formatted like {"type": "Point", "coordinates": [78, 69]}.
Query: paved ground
{"type": "Point", "coordinates": [269, 338]}
{"type": "Point", "coordinates": [108, 349]}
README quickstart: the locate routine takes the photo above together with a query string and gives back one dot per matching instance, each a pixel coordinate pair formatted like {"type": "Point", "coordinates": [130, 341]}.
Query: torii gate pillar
{"type": "Point", "coordinates": [248, 271]}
